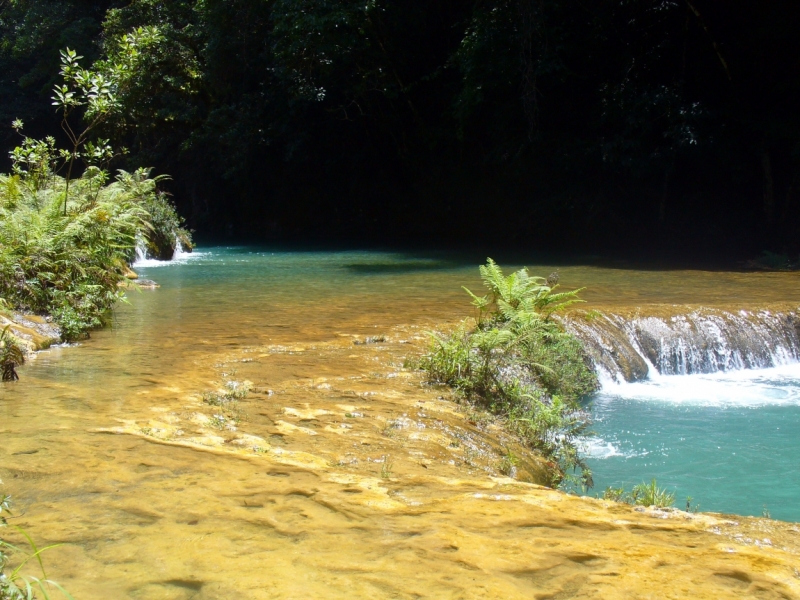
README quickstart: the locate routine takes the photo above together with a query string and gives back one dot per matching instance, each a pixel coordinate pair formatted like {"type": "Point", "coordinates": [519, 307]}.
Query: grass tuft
{"type": "Point", "coordinates": [644, 494]}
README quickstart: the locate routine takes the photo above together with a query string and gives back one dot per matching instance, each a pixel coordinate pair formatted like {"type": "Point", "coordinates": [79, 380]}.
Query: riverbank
{"type": "Point", "coordinates": [39, 332]}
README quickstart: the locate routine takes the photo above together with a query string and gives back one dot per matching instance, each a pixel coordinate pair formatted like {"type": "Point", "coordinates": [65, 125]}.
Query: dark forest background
{"type": "Point", "coordinates": [612, 126]}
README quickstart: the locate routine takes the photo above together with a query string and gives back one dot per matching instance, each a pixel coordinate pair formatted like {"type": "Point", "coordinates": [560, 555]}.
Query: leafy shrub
{"type": "Point", "coordinates": [11, 355]}
{"type": "Point", "coordinates": [69, 264]}
{"type": "Point", "coordinates": [519, 363]}
{"type": "Point", "coordinates": [644, 494]}
{"type": "Point", "coordinates": [64, 241]}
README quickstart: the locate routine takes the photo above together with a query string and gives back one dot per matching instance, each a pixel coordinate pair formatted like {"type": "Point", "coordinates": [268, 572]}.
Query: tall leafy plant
{"type": "Point", "coordinates": [517, 361]}
{"type": "Point", "coordinates": [64, 241]}
{"type": "Point", "coordinates": [96, 92]}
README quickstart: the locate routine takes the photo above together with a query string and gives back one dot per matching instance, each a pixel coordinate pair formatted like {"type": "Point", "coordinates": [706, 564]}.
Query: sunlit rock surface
{"type": "Point", "coordinates": [336, 482]}
{"type": "Point", "coordinates": [35, 332]}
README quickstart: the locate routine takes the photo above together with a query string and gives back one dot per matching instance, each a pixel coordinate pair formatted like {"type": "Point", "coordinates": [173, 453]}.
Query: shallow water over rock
{"type": "Point", "coordinates": [339, 475]}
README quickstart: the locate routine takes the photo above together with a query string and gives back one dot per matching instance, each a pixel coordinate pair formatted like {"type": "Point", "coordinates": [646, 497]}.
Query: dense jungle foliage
{"type": "Point", "coordinates": [558, 123]}
{"type": "Point", "coordinates": [517, 362]}
{"type": "Point", "coordinates": [70, 265]}
{"type": "Point", "coordinates": [66, 241]}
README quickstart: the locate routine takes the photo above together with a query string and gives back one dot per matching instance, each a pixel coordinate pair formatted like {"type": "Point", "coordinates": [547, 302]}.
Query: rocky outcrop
{"type": "Point", "coordinates": [33, 331]}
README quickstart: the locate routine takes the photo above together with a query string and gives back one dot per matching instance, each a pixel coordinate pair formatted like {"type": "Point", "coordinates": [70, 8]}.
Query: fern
{"type": "Point", "coordinates": [520, 364]}
{"type": "Point", "coordinates": [69, 265]}
{"type": "Point", "coordinates": [519, 292]}
{"type": "Point", "coordinates": [11, 355]}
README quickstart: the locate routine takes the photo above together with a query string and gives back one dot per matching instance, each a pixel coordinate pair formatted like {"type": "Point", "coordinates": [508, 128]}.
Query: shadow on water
{"type": "Point", "coordinates": [396, 268]}
{"type": "Point", "coordinates": [418, 258]}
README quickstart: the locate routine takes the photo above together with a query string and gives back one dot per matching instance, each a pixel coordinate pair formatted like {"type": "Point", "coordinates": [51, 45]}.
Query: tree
{"type": "Point", "coordinates": [97, 91]}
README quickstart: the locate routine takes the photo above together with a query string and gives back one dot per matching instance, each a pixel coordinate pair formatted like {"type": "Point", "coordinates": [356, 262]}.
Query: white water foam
{"type": "Point", "coordinates": [178, 257]}
{"type": "Point", "coordinates": [598, 448]}
{"type": "Point", "coordinates": [745, 388]}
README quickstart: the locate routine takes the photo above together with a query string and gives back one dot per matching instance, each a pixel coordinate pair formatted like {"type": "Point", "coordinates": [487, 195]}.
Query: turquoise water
{"type": "Point", "coordinates": [730, 441]}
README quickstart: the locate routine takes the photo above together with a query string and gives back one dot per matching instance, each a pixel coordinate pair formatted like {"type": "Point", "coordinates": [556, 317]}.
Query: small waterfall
{"type": "Point", "coordinates": [141, 249]}
{"type": "Point", "coordinates": [144, 259]}
{"type": "Point", "coordinates": [631, 347]}
{"type": "Point", "coordinates": [179, 252]}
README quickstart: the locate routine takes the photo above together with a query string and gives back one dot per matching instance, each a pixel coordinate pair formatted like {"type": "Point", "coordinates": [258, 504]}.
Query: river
{"type": "Point", "coordinates": [340, 475]}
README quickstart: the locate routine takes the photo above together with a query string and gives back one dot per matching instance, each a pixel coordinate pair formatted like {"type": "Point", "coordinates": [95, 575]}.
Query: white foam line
{"type": "Point", "coordinates": [598, 448]}
{"type": "Point", "coordinates": [178, 259]}
{"type": "Point", "coordinates": [746, 387]}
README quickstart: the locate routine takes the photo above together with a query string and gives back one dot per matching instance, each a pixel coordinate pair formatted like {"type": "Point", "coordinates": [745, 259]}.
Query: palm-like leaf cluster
{"type": "Point", "coordinates": [69, 265]}
{"type": "Point", "coordinates": [11, 355]}
{"type": "Point", "coordinates": [520, 364]}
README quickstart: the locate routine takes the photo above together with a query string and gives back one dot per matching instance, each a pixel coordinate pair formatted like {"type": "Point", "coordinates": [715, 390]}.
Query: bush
{"type": "Point", "coordinates": [643, 494]}
{"type": "Point", "coordinates": [64, 242]}
{"type": "Point", "coordinates": [519, 363]}
{"type": "Point", "coordinates": [69, 263]}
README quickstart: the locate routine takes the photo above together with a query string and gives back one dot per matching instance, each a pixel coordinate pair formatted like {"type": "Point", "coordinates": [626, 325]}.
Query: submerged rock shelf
{"type": "Point", "coordinates": [300, 487]}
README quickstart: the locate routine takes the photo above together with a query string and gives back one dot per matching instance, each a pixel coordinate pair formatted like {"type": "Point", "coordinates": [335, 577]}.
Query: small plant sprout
{"type": "Point", "coordinates": [391, 428]}
{"type": "Point", "coordinates": [13, 585]}
{"type": "Point", "coordinates": [649, 494]}
{"type": "Point", "coordinates": [386, 467]}
{"type": "Point", "coordinates": [644, 494]}
{"type": "Point", "coordinates": [614, 494]}
{"type": "Point", "coordinates": [218, 422]}
{"type": "Point", "coordinates": [508, 464]}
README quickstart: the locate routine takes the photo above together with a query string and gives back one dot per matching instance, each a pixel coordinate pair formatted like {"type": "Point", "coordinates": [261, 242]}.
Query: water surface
{"type": "Point", "coordinates": [345, 477]}
{"type": "Point", "coordinates": [728, 440]}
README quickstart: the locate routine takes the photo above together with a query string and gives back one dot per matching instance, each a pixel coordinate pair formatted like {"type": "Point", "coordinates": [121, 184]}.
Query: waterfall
{"type": "Point", "coordinates": [141, 252]}
{"type": "Point", "coordinates": [631, 347]}
{"type": "Point", "coordinates": [179, 251]}
{"type": "Point", "coordinates": [144, 260]}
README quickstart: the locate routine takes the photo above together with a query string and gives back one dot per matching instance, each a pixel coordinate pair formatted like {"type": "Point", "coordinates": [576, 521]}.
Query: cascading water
{"type": "Point", "coordinates": [141, 251]}
{"type": "Point", "coordinates": [707, 401]}
{"type": "Point", "coordinates": [143, 260]}
{"type": "Point", "coordinates": [179, 251]}
{"type": "Point", "coordinates": [631, 348]}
